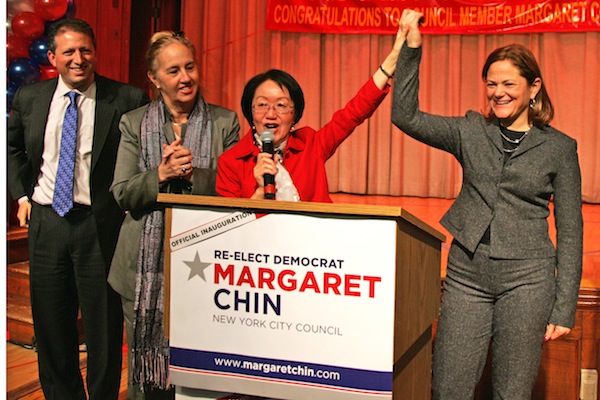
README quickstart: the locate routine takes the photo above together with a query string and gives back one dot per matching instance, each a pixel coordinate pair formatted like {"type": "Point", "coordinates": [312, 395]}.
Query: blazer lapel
{"type": "Point", "coordinates": [493, 132]}
{"type": "Point", "coordinates": [40, 109]}
{"type": "Point", "coordinates": [168, 131]}
{"type": "Point", "coordinates": [105, 115]}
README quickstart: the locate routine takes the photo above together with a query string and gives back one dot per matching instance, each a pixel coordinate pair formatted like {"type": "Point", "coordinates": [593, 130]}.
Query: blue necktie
{"type": "Point", "coordinates": [62, 201]}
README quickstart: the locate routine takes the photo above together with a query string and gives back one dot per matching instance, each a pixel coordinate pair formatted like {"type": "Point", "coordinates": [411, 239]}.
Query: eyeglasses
{"type": "Point", "coordinates": [280, 108]}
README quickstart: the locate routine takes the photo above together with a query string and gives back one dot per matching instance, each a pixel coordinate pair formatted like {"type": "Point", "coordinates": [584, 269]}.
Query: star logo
{"type": "Point", "coordinates": [197, 267]}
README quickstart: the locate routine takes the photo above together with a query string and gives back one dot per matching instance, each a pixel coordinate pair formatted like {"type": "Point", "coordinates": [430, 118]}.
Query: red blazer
{"type": "Point", "coordinates": [306, 152]}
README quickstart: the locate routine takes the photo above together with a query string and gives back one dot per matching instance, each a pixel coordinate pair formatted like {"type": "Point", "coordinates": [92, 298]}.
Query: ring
{"type": "Point", "coordinates": [183, 170]}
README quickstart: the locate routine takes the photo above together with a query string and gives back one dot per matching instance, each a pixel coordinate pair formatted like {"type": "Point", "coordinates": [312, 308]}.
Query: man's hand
{"type": "Point", "coordinates": [24, 213]}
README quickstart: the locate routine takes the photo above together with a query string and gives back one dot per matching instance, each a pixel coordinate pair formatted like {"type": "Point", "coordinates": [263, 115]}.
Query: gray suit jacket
{"type": "Point", "coordinates": [511, 199]}
{"type": "Point", "coordinates": [26, 129]}
{"type": "Point", "coordinates": [136, 191]}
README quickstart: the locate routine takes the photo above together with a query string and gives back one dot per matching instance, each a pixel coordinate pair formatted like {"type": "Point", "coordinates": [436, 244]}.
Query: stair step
{"type": "Point", "coordinates": [19, 310]}
{"type": "Point", "coordinates": [21, 267]}
{"type": "Point", "coordinates": [20, 333]}
{"type": "Point", "coordinates": [19, 321]}
{"type": "Point", "coordinates": [18, 280]}
{"type": "Point", "coordinates": [18, 247]}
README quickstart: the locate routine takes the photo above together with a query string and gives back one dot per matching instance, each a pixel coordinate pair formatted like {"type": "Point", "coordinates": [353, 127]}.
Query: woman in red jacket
{"type": "Point", "coordinates": [273, 101]}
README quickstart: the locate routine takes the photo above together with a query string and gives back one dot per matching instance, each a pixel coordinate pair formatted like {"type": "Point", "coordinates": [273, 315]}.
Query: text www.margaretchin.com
{"type": "Point", "coordinates": [273, 368]}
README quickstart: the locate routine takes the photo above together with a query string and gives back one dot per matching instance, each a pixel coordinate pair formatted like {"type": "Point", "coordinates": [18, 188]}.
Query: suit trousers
{"type": "Point", "coordinates": [68, 273]}
{"type": "Point", "coordinates": [505, 302]}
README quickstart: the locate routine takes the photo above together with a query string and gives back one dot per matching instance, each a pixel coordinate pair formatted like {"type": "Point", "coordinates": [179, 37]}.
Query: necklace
{"type": "Point", "coordinates": [180, 124]}
{"type": "Point", "coordinates": [515, 141]}
{"type": "Point", "coordinates": [513, 144]}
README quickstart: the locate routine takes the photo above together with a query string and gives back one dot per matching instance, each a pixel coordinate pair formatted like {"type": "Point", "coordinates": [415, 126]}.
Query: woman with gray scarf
{"type": "Point", "coordinates": [170, 145]}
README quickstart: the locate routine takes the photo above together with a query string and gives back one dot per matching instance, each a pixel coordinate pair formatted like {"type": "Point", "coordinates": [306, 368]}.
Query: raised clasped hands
{"type": "Point", "coordinates": [409, 28]}
{"type": "Point", "coordinates": [408, 31]}
{"type": "Point", "coordinates": [176, 162]}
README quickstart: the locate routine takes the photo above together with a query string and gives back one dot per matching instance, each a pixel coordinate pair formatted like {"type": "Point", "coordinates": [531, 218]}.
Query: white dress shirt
{"type": "Point", "coordinates": [86, 108]}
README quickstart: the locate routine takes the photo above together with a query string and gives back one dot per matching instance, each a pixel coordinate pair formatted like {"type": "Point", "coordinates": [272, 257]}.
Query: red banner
{"type": "Point", "coordinates": [441, 16]}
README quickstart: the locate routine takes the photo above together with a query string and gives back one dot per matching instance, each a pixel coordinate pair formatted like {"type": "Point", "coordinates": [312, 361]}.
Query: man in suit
{"type": "Point", "coordinates": [70, 249]}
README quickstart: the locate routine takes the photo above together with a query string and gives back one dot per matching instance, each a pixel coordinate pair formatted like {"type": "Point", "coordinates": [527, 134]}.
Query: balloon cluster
{"type": "Point", "coordinates": [27, 25]}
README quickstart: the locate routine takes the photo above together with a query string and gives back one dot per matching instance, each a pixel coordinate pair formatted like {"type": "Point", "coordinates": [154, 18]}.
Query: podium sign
{"type": "Point", "coordinates": [284, 305]}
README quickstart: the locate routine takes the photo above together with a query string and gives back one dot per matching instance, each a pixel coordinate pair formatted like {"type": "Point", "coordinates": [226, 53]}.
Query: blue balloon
{"type": "Point", "coordinates": [38, 51]}
{"type": "Point", "coordinates": [22, 71]}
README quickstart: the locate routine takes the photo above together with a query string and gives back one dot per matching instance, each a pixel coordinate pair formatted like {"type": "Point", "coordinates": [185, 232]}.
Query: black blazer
{"type": "Point", "coordinates": [26, 128]}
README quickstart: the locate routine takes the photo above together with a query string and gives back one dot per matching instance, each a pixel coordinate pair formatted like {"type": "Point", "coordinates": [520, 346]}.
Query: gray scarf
{"type": "Point", "coordinates": [150, 350]}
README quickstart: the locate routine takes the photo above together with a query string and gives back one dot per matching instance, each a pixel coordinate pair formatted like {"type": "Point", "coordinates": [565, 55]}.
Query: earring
{"type": "Point", "coordinates": [532, 103]}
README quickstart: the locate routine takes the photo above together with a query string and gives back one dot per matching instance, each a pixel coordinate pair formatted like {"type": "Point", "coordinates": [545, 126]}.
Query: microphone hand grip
{"type": "Point", "coordinates": [267, 138]}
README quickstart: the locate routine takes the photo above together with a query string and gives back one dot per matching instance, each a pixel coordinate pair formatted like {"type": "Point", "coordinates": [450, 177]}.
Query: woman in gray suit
{"type": "Point", "coordinates": [170, 145]}
{"type": "Point", "coordinates": [506, 282]}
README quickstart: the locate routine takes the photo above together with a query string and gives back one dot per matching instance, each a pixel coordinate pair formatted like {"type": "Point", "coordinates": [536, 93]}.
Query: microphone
{"type": "Point", "coordinates": [267, 138]}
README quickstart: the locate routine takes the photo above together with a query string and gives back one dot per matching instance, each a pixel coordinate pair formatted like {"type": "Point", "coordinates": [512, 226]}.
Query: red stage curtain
{"type": "Point", "coordinates": [233, 45]}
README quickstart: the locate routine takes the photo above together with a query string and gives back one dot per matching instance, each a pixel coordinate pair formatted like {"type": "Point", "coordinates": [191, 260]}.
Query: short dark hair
{"type": "Point", "coordinates": [284, 80]}
{"type": "Point", "coordinates": [69, 24]}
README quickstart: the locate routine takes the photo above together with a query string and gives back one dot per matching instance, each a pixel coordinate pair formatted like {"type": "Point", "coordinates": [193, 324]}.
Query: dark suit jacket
{"type": "Point", "coordinates": [26, 128]}
{"type": "Point", "coordinates": [510, 198]}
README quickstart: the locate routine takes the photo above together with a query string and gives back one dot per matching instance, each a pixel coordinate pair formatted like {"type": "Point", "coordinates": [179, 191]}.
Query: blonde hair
{"type": "Point", "coordinates": [160, 40]}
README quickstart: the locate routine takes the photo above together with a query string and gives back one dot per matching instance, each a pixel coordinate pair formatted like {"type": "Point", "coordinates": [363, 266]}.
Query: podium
{"type": "Point", "coordinates": [300, 300]}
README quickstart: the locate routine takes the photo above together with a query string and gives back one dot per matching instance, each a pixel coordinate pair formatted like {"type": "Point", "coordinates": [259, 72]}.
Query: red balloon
{"type": "Point", "coordinates": [27, 25]}
{"type": "Point", "coordinates": [50, 10]}
{"type": "Point", "coordinates": [16, 47]}
{"type": "Point", "coordinates": [47, 72]}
